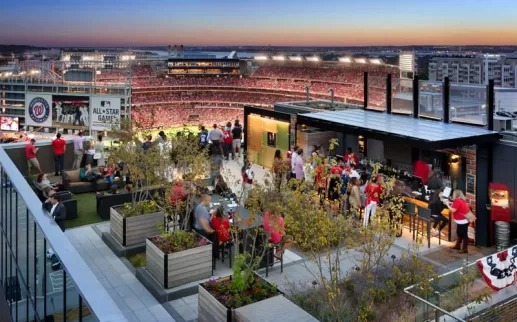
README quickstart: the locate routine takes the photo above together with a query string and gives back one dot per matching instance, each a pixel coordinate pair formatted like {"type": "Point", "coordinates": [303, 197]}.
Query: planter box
{"type": "Point", "coordinates": [171, 270]}
{"type": "Point", "coordinates": [276, 308]}
{"type": "Point", "coordinates": [134, 230]}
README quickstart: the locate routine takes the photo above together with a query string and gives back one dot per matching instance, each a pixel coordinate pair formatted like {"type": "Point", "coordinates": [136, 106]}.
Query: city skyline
{"type": "Point", "coordinates": [237, 23]}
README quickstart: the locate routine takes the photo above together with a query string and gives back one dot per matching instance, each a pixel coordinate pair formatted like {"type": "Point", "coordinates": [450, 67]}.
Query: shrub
{"type": "Point", "coordinates": [178, 241]}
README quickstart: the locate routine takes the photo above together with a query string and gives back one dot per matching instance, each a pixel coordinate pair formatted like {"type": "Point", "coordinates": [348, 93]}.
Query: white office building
{"type": "Point", "coordinates": [475, 69]}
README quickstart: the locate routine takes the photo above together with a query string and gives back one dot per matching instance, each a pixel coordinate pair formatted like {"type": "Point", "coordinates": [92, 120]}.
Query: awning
{"type": "Point", "coordinates": [383, 126]}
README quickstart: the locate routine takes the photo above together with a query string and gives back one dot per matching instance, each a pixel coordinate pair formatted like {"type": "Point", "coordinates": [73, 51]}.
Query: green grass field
{"type": "Point", "coordinates": [86, 211]}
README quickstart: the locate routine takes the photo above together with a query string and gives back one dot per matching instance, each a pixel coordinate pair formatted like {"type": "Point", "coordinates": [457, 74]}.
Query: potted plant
{"type": "Point", "coordinates": [133, 222]}
{"type": "Point", "coordinates": [178, 258]}
{"type": "Point", "coordinates": [219, 298]}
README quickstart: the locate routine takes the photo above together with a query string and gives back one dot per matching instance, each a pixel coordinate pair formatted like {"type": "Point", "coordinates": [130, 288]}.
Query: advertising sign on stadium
{"type": "Point", "coordinates": [104, 113]}
{"type": "Point", "coordinates": [38, 110]}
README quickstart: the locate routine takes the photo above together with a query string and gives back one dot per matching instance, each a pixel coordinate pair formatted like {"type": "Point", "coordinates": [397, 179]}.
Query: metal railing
{"type": "Point", "coordinates": [35, 286]}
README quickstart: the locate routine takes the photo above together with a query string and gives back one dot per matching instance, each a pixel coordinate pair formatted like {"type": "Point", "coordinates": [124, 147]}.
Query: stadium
{"type": "Point", "coordinates": [178, 91]}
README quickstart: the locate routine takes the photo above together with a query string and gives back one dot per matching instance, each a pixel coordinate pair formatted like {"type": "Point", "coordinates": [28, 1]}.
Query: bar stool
{"type": "Point", "coordinates": [424, 216]}
{"type": "Point", "coordinates": [270, 254]}
{"type": "Point", "coordinates": [222, 248]}
{"type": "Point", "coordinates": [409, 209]}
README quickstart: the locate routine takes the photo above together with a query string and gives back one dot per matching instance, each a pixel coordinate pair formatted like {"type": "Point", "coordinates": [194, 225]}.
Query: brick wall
{"type": "Point", "coordinates": [469, 153]}
{"type": "Point", "coordinates": [504, 312]}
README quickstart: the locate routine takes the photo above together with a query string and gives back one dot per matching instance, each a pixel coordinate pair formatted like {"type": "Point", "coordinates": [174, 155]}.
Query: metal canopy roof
{"type": "Point", "coordinates": [380, 125]}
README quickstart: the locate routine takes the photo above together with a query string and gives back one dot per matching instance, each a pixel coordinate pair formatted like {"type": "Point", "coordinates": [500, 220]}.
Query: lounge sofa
{"type": "Point", "coordinates": [73, 183]}
{"type": "Point", "coordinates": [105, 202]}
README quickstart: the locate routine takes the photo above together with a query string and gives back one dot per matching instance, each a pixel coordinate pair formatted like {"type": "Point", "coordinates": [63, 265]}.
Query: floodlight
{"type": "Point", "coordinates": [345, 59]}
{"type": "Point", "coordinates": [260, 58]}
{"type": "Point", "coordinates": [375, 61]}
{"type": "Point", "coordinates": [295, 58]}
{"type": "Point", "coordinates": [313, 58]}
{"type": "Point", "coordinates": [278, 57]}
{"type": "Point", "coordinates": [360, 60]}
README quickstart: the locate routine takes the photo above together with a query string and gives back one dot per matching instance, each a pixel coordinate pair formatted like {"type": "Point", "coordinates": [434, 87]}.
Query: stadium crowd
{"type": "Point", "coordinates": [173, 115]}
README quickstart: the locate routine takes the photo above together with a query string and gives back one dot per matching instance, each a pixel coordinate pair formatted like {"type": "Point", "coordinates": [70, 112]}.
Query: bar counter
{"type": "Point", "coordinates": [449, 230]}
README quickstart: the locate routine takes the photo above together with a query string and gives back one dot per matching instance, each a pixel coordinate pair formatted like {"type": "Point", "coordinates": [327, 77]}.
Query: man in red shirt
{"type": "Point", "coordinates": [59, 146]}
{"type": "Point", "coordinates": [30, 154]}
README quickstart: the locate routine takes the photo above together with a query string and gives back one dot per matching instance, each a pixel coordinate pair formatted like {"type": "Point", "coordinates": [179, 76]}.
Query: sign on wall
{"type": "Point", "coordinates": [104, 113]}
{"type": "Point", "coordinates": [38, 110]}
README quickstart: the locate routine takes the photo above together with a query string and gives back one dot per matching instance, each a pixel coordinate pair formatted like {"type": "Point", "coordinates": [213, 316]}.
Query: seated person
{"type": "Point", "coordinates": [42, 182]}
{"type": "Point", "coordinates": [202, 223]}
{"type": "Point", "coordinates": [221, 187]}
{"type": "Point", "coordinates": [221, 225]}
{"type": "Point", "coordinates": [88, 175]}
{"type": "Point", "coordinates": [109, 174]}
{"type": "Point", "coordinates": [113, 191]}
{"type": "Point", "coordinates": [274, 226]}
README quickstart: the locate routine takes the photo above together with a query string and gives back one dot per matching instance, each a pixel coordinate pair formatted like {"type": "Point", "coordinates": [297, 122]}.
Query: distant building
{"type": "Point", "coordinates": [475, 69]}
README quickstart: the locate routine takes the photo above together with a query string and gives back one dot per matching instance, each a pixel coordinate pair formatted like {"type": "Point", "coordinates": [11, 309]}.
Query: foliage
{"type": "Point", "coordinates": [178, 241]}
{"type": "Point", "coordinates": [241, 288]}
{"type": "Point", "coordinates": [177, 161]}
{"type": "Point", "coordinates": [144, 207]}
{"type": "Point", "coordinates": [137, 260]}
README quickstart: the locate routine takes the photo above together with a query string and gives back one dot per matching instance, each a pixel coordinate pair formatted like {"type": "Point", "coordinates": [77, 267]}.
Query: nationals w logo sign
{"type": "Point", "coordinates": [39, 110]}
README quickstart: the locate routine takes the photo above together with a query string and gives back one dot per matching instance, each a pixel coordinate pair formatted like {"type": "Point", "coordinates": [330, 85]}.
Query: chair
{"type": "Point", "coordinates": [424, 216]}
{"type": "Point", "coordinates": [270, 257]}
{"type": "Point", "coordinates": [409, 209]}
{"type": "Point", "coordinates": [222, 248]}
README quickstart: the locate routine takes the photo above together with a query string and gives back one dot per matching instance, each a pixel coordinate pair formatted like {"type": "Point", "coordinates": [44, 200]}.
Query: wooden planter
{"type": "Point", "coordinates": [276, 308]}
{"type": "Point", "coordinates": [171, 270]}
{"type": "Point", "coordinates": [134, 230]}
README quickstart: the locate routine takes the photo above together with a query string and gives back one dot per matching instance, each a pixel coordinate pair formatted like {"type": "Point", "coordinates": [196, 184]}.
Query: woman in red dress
{"type": "Point", "coordinates": [373, 192]}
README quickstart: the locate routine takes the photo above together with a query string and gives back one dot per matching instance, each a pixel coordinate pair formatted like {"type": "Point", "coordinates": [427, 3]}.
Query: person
{"type": "Point", "coordinates": [228, 141]}
{"type": "Point", "coordinates": [77, 117]}
{"type": "Point", "coordinates": [237, 137]}
{"type": "Point", "coordinates": [86, 174]}
{"type": "Point", "coordinates": [298, 165]}
{"type": "Point", "coordinates": [202, 226]}
{"type": "Point", "coordinates": [373, 192]}
{"type": "Point", "coordinates": [113, 191]}
{"type": "Point", "coordinates": [354, 198]}
{"type": "Point", "coordinates": [78, 150]}
{"type": "Point", "coordinates": [216, 135]}
{"type": "Point", "coordinates": [294, 156]}
{"type": "Point", "coordinates": [314, 155]}
{"type": "Point", "coordinates": [59, 147]}
{"type": "Point", "coordinates": [247, 179]}
{"type": "Point", "coordinates": [148, 143]}
{"type": "Point", "coordinates": [216, 160]}
{"type": "Point", "coordinates": [351, 158]}
{"type": "Point", "coordinates": [203, 137]}
{"type": "Point", "coordinates": [278, 164]}
{"type": "Point", "coordinates": [437, 206]}
{"type": "Point", "coordinates": [459, 209]}
{"type": "Point", "coordinates": [43, 182]}
{"type": "Point", "coordinates": [321, 178]}
{"type": "Point", "coordinates": [99, 152]}
{"type": "Point", "coordinates": [274, 227]}
{"type": "Point", "coordinates": [334, 186]}
{"type": "Point", "coordinates": [221, 187]}
{"type": "Point", "coordinates": [421, 170]}
{"type": "Point", "coordinates": [30, 154]}
{"type": "Point", "coordinates": [161, 138]}
{"type": "Point", "coordinates": [56, 210]}
{"type": "Point", "coordinates": [109, 174]}
{"type": "Point", "coordinates": [221, 225]}
{"type": "Point", "coordinates": [89, 153]}
{"type": "Point", "coordinates": [434, 182]}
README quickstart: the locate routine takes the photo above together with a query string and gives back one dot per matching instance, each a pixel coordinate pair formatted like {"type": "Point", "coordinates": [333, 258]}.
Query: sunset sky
{"type": "Point", "coordinates": [259, 22]}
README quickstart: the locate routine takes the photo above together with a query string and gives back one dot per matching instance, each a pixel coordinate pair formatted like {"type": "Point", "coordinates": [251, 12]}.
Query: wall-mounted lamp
{"type": "Point", "coordinates": [454, 159]}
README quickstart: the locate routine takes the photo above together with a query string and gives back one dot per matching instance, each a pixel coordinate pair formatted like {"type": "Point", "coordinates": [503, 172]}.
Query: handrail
{"type": "Point", "coordinates": [91, 290]}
